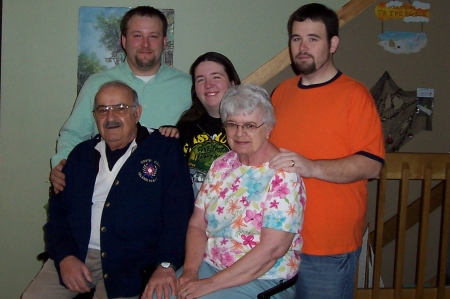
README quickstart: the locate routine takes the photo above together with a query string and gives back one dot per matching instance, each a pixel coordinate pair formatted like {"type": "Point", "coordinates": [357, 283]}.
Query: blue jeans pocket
{"type": "Point", "coordinates": [327, 277]}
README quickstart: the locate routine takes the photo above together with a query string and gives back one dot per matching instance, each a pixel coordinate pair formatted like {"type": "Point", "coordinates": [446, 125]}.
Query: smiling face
{"type": "Point", "coordinates": [211, 83]}
{"type": "Point", "coordinates": [310, 49]}
{"type": "Point", "coordinates": [117, 130]}
{"type": "Point", "coordinates": [248, 146]}
{"type": "Point", "coordinates": [144, 43]}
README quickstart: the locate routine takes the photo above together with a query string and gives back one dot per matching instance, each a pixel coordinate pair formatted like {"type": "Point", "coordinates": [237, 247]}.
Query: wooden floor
{"type": "Point", "coordinates": [403, 294]}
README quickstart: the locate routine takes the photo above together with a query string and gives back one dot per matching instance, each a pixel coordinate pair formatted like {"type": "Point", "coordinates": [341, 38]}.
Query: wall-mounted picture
{"type": "Point", "coordinates": [99, 40]}
{"type": "Point", "coordinates": [399, 42]}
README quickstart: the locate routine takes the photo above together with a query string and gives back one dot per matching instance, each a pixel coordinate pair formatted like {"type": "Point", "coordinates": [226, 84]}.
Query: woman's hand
{"type": "Point", "coordinates": [187, 276]}
{"type": "Point", "coordinates": [195, 248]}
{"type": "Point", "coordinates": [169, 131]}
{"type": "Point", "coordinates": [196, 288]}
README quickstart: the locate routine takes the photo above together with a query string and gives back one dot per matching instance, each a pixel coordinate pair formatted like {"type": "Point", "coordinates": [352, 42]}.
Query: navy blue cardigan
{"type": "Point", "coordinates": [145, 216]}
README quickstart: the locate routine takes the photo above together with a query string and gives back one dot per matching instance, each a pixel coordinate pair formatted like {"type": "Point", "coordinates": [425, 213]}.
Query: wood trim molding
{"type": "Point", "coordinates": [281, 61]}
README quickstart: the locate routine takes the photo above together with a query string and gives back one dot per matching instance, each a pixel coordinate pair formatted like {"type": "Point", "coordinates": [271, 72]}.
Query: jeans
{"type": "Point", "coordinates": [327, 277]}
{"type": "Point", "coordinates": [245, 291]}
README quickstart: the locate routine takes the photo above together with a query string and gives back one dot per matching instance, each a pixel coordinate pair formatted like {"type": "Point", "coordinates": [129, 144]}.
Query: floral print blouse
{"type": "Point", "coordinates": [239, 201]}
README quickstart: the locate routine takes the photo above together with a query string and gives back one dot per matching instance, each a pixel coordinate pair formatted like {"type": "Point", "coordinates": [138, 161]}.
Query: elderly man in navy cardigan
{"type": "Point", "coordinates": [125, 206]}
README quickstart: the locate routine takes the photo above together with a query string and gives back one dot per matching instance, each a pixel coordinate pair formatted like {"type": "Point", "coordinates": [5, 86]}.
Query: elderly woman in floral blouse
{"type": "Point", "coordinates": [245, 233]}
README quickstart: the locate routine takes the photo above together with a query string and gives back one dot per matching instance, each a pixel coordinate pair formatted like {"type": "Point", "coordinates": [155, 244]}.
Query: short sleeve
{"type": "Point", "coordinates": [285, 203]}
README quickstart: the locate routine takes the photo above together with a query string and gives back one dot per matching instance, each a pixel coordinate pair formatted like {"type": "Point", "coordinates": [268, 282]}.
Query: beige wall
{"type": "Point", "coordinates": [359, 56]}
{"type": "Point", "coordinates": [38, 79]}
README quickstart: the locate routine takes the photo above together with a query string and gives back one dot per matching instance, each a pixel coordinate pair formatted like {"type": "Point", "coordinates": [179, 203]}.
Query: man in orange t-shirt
{"type": "Point", "coordinates": [330, 133]}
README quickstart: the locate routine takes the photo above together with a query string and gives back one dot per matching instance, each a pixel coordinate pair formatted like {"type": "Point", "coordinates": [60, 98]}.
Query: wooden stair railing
{"type": "Point", "coordinates": [413, 215]}
{"type": "Point", "coordinates": [404, 167]}
{"type": "Point", "coordinates": [281, 61]}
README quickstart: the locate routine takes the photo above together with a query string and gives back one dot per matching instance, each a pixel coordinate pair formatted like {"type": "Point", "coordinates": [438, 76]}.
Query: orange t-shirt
{"type": "Point", "coordinates": [329, 121]}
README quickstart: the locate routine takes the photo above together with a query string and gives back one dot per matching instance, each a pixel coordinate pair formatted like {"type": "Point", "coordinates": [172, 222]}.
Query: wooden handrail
{"type": "Point", "coordinates": [404, 168]}
{"type": "Point", "coordinates": [282, 60]}
{"type": "Point", "coordinates": [443, 250]}
{"type": "Point", "coordinates": [413, 214]}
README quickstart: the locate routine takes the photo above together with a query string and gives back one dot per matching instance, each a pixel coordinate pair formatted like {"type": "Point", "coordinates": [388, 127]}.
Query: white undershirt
{"type": "Point", "coordinates": [146, 78]}
{"type": "Point", "coordinates": [103, 183]}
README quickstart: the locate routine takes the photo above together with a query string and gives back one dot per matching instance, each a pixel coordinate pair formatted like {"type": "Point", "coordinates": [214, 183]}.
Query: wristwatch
{"type": "Point", "coordinates": [165, 265]}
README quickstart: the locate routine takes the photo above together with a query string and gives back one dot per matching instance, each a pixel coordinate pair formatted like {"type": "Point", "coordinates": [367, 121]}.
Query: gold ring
{"type": "Point", "coordinates": [293, 163]}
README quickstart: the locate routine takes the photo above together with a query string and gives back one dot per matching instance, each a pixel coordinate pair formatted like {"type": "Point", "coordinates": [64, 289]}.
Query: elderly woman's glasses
{"type": "Point", "coordinates": [119, 109]}
{"type": "Point", "coordinates": [247, 128]}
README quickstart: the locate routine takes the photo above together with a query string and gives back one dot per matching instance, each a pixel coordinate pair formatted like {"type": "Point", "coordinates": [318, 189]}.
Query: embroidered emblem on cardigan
{"type": "Point", "coordinates": [149, 170]}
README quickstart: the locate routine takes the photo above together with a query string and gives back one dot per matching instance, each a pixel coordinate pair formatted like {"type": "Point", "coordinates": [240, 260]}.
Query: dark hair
{"type": "Point", "coordinates": [318, 13]}
{"type": "Point", "coordinates": [197, 109]}
{"type": "Point", "coordinates": [142, 11]}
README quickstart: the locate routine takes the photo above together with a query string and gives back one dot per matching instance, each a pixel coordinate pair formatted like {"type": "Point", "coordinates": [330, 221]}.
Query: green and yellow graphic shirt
{"type": "Point", "coordinates": [202, 141]}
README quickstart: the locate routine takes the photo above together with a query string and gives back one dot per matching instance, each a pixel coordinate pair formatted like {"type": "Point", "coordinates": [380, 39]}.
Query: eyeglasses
{"type": "Point", "coordinates": [246, 128]}
{"type": "Point", "coordinates": [118, 109]}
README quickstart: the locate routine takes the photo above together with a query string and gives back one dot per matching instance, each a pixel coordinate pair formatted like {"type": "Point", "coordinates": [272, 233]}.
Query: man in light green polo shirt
{"type": "Point", "coordinates": [164, 92]}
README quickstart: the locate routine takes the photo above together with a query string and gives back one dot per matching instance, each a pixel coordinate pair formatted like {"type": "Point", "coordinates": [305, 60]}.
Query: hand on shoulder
{"type": "Point", "coordinates": [169, 131]}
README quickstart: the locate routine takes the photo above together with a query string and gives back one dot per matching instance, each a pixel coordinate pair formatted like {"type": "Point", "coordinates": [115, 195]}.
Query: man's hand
{"type": "Point", "coordinates": [74, 274]}
{"type": "Point", "coordinates": [292, 162]}
{"type": "Point", "coordinates": [343, 170]}
{"type": "Point", "coordinates": [163, 282]}
{"type": "Point", "coordinates": [169, 131]}
{"type": "Point", "coordinates": [57, 178]}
